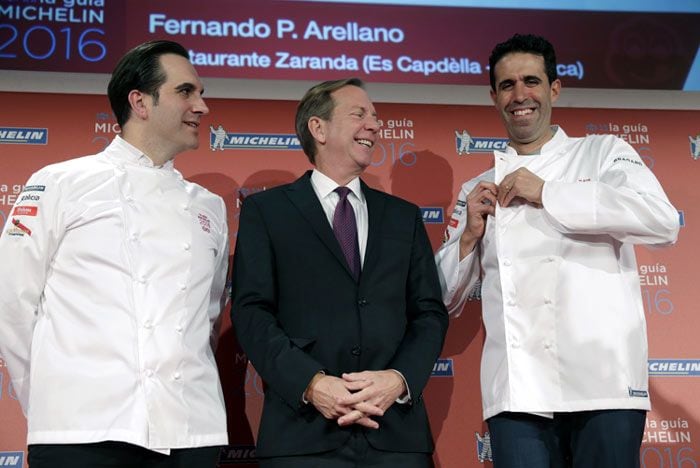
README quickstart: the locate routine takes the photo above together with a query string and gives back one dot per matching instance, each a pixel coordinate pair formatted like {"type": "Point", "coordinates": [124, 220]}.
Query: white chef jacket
{"type": "Point", "coordinates": [562, 308]}
{"type": "Point", "coordinates": [112, 278]}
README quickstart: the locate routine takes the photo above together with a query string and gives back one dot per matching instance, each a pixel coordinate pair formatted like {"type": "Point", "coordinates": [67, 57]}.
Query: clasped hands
{"type": "Point", "coordinates": [356, 397]}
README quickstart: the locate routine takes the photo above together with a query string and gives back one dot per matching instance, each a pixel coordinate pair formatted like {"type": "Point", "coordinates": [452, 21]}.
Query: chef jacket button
{"type": "Point", "coordinates": [149, 373]}
{"type": "Point", "coordinates": [547, 300]}
{"type": "Point", "coordinates": [356, 351]}
{"type": "Point", "coordinates": [547, 345]}
{"type": "Point", "coordinates": [514, 344]}
{"type": "Point", "coordinates": [130, 200]}
{"type": "Point", "coordinates": [186, 246]}
{"type": "Point", "coordinates": [185, 207]}
{"type": "Point", "coordinates": [506, 262]}
{"type": "Point", "coordinates": [362, 302]}
{"type": "Point", "coordinates": [177, 376]}
{"type": "Point", "coordinates": [178, 328]}
{"type": "Point", "coordinates": [182, 286]}
{"type": "Point", "coordinates": [134, 237]}
{"type": "Point", "coordinates": [147, 324]}
{"type": "Point", "coordinates": [511, 303]}
{"type": "Point", "coordinates": [549, 259]}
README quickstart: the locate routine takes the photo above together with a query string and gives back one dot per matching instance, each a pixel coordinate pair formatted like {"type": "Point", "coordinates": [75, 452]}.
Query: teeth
{"type": "Point", "coordinates": [522, 112]}
{"type": "Point", "coordinates": [366, 143]}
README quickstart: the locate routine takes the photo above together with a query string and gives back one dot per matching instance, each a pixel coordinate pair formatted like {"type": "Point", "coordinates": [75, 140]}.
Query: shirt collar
{"type": "Point", "coordinates": [124, 151]}
{"type": "Point", "coordinates": [557, 139]}
{"type": "Point", "coordinates": [324, 185]}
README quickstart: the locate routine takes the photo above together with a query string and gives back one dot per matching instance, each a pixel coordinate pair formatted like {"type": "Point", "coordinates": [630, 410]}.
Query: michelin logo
{"type": "Point", "coordinates": [220, 139]}
{"type": "Point", "coordinates": [12, 459]}
{"type": "Point", "coordinates": [467, 144]}
{"type": "Point", "coordinates": [433, 214]}
{"type": "Point", "coordinates": [24, 136]}
{"type": "Point", "coordinates": [695, 146]}
{"type": "Point", "coordinates": [674, 367]}
{"type": "Point", "coordinates": [443, 368]}
{"type": "Point", "coordinates": [483, 447]}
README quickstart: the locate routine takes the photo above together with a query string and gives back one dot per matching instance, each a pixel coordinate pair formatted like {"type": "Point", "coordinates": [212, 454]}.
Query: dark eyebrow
{"type": "Point", "coordinates": [187, 87]}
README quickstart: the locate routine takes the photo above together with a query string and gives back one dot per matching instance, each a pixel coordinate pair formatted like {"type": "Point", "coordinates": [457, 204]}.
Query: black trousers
{"type": "Point", "coordinates": [118, 455]}
{"type": "Point", "coordinates": [356, 453]}
{"type": "Point", "coordinates": [584, 439]}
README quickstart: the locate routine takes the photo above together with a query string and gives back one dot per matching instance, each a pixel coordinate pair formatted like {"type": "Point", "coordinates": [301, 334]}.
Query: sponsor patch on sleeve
{"type": "Point", "coordinates": [18, 229]}
{"type": "Point", "coordinates": [28, 210]}
{"type": "Point", "coordinates": [34, 188]}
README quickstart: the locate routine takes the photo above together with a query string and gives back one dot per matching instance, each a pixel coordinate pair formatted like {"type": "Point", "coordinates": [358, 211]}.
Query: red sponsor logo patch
{"type": "Point", "coordinates": [25, 211]}
{"type": "Point", "coordinates": [453, 222]}
{"type": "Point", "coordinates": [18, 224]}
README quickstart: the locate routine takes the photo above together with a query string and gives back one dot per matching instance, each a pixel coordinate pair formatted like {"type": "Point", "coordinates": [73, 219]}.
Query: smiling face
{"type": "Point", "coordinates": [174, 116]}
{"type": "Point", "coordinates": [524, 97]}
{"type": "Point", "coordinates": [346, 141]}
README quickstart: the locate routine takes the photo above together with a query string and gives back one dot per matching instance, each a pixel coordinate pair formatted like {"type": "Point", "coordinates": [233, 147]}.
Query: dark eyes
{"type": "Point", "coordinates": [531, 83]}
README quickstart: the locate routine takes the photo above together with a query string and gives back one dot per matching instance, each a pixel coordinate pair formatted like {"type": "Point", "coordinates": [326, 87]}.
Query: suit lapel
{"type": "Point", "coordinates": [302, 195]}
{"type": "Point", "coordinates": [375, 212]}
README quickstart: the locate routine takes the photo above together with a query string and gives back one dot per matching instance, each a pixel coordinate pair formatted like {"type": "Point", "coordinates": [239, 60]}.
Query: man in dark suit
{"type": "Point", "coordinates": [337, 301]}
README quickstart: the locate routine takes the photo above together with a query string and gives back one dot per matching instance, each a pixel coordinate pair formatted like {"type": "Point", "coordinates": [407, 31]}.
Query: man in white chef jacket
{"type": "Point", "coordinates": [550, 231]}
{"type": "Point", "coordinates": [112, 278]}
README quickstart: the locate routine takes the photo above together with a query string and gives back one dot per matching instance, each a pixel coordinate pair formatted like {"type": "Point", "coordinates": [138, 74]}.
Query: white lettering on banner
{"type": "Point", "coordinates": [252, 60]}
{"type": "Point", "coordinates": [353, 32]}
{"type": "Point", "coordinates": [396, 129]}
{"type": "Point", "coordinates": [158, 22]}
{"type": "Point", "coordinates": [342, 62]}
{"type": "Point", "coordinates": [9, 199]}
{"type": "Point", "coordinates": [446, 65]}
{"type": "Point", "coordinates": [22, 135]}
{"type": "Point", "coordinates": [107, 127]}
{"type": "Point", "coordinates": [10, 460]}
{"type": "Point", "coordinates": [50, 13]}
{"type": "Point", "coordinates": [669, 437]}
{"type": "Point", "coordinates": [679, 367]}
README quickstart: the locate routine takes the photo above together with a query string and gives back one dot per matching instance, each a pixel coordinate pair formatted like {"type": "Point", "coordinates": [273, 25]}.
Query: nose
{"type": "Point", "coordinates": [200, 107]}
{"type": "Point", "coordinates": [520, 91]}
{"type": "Point", "coordinates": [372, 123]}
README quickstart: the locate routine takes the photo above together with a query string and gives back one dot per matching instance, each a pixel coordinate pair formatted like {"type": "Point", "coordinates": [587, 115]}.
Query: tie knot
{"type": "Point", "coordinates": [342, 192]}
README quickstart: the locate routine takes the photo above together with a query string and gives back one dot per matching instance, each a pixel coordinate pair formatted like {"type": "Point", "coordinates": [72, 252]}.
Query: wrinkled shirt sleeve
{"type": "Point", "coordinates": [33, 230]}
{"type": "Point", "coordinates": [457, 278]}
{"type": "Point", "coordinates": [626, 201]}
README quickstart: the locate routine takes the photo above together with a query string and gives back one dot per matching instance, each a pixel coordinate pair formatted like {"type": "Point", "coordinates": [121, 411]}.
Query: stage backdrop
{"type": "Point", "coordinates": [418, 160]}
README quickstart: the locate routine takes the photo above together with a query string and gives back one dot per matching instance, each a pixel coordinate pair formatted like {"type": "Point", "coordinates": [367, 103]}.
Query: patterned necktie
{"type": "Point", "coordinates": [345, 230]}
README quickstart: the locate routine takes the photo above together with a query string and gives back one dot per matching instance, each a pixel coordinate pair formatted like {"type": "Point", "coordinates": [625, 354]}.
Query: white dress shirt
{"type": "Point", "coordinates": [562, 308]}
{"type": "Point", "coordinates": [324, 187]}
{"type": "Point", "coordinates": [112, 278]}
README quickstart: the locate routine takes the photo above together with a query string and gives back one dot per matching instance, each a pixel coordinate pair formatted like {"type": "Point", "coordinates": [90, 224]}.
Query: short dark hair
{"type": "Point", "coordinates": [318, 102]}
{"type": "Point", "coordinates": [527, 43]}
{"type": "Point", "coordinates": [139, 69]}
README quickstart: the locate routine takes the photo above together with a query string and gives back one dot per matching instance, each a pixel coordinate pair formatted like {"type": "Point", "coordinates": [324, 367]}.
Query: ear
{"type": "Point", "coordinates": [555, 89]}
{"type": "Point", "coordinates": [317, 127]}
{"type": "Point", "coordinates": [493, 95]}
{"type": "Point", "coordinates": [138, 105]}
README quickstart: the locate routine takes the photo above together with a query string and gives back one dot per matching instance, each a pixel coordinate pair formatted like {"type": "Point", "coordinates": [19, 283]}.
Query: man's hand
{"type": "Point", "coordinates": [328, 395]}
{"type": "Point", "coordinates": [481, 202]}
{"type": "Point", "coordinates": [378, 390]}
{"type": "Point", "coordinates": [520, 183]}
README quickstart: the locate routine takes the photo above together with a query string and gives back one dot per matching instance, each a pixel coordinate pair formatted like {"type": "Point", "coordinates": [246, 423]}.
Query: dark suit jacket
{"type": "Point", "coordinates": [297, 310]}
